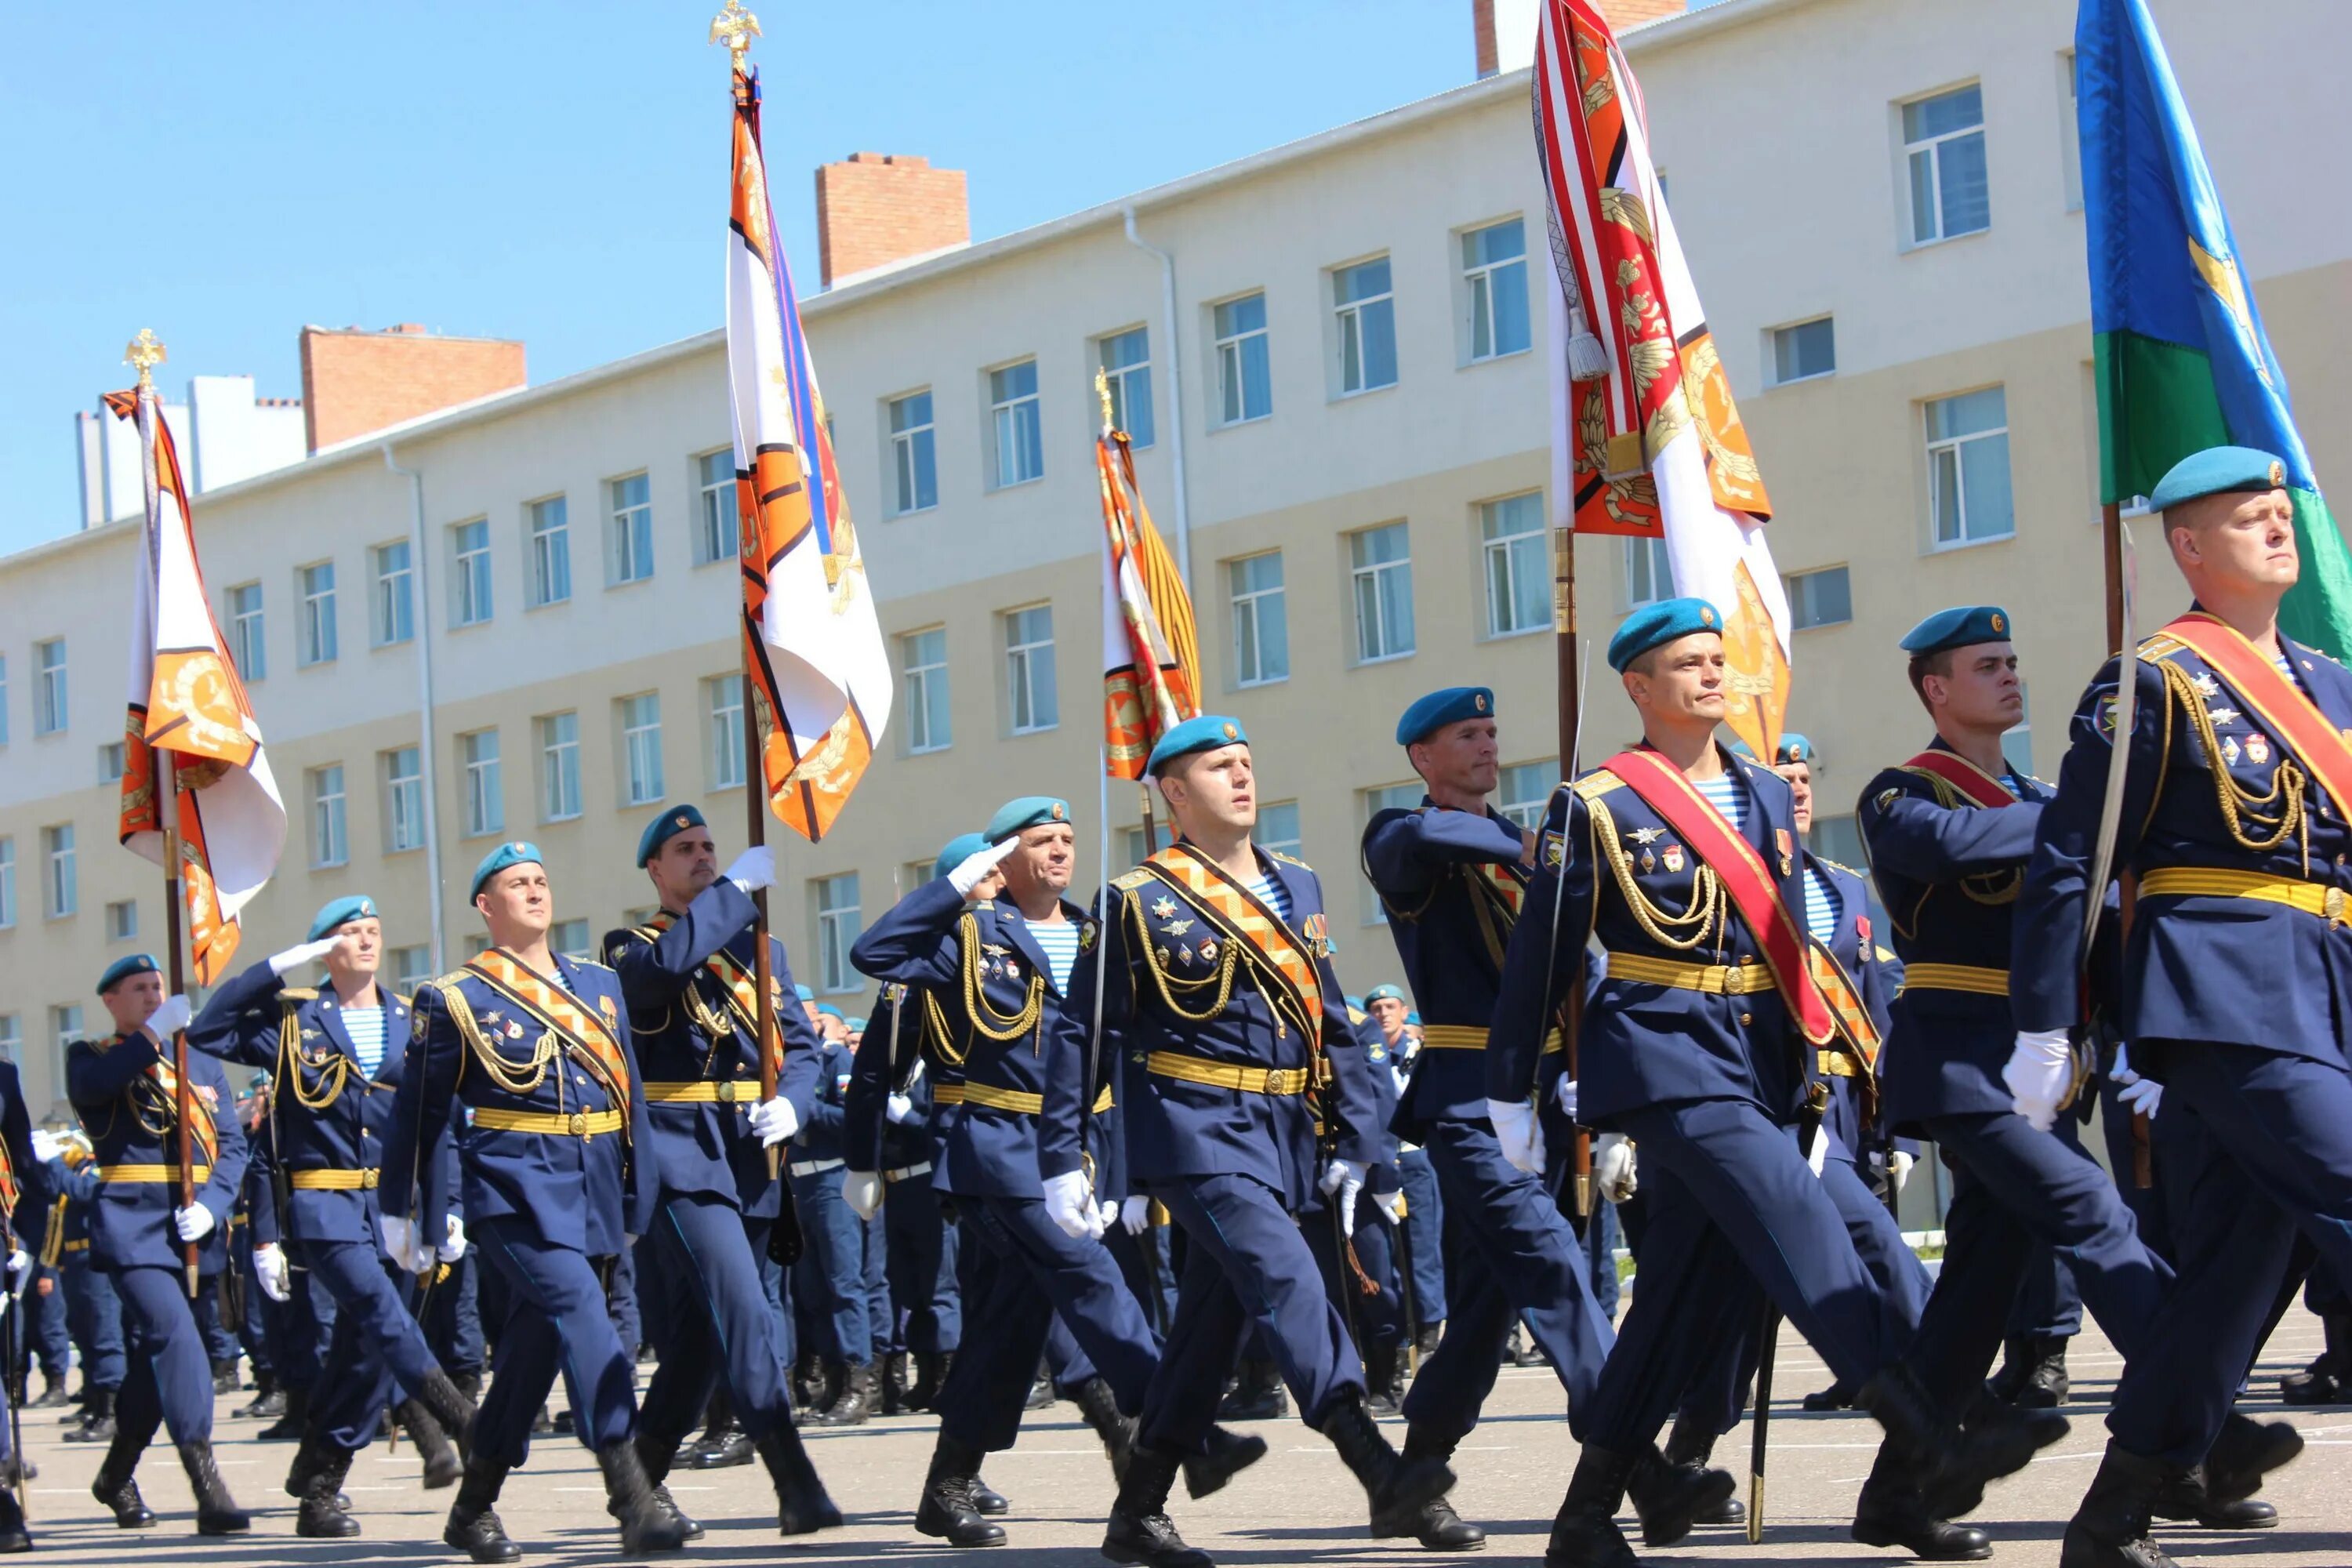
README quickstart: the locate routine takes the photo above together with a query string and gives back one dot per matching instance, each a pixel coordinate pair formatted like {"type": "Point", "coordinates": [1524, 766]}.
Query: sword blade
{"type": "Point", "coordinates": [2111, 805]}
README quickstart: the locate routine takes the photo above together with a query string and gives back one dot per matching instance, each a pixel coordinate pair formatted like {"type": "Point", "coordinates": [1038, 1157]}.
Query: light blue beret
{"type": "Point", "coordinates": [673, 821]}
{"type": "Point", "coordinates": [1439, 709]}
{"type": "Point", "coordinates": [1412, 1018]}
{"type": "Point", "coordinates": [830, 1011]}
{"type": "Point", "coordinates": [2218, 470]}
{"type": "Point", "coordinates": [1383, 994]}
{"type": "Point", "coordinates": [123, 968]}
{"type": "Point", "coordinates": [803, 993]}
{"type": "Point", "coordinates": [1654, 625]}
{"type": "Point", "coordinates": [959, 849]}
{"type": "Point", "coordinates": [341, 911]}
{"type": "Point", "coordinates": [1794, 748]}
{"type": "Point", "coordinates": [1356, 1004]}
{"type": "Point", "coordinates": [1206, 733]}
{"type": "Point", "coordinates": [856, 1025]}
{"type": "Point", "coordinates": [518, 853]}
{"type": "Point", "coordinates": [1959, 627]}
{"type": "Point", "coordinates": [1020, 816]}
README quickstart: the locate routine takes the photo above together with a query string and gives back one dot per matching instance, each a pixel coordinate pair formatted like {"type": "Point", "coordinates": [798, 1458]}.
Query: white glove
{"type": "Point", "coordinates": [2136, 1092]}
{"type": "Point", "coordinates": [20, 1268]}
{"type": "Point", "coordinates": [193, 1223]}
{"type": "Point", "coordinates": [2036, 1077]}
{"type": "Point", "coordinates": [401, 1243]}
{"type": "Point", "coordinates": [754, 868]}
{"type": "Point", "coordinates": [282, 964]}
{"type": "Point", "coordinates": [1566, 1094]}
{"type": "Point", "coordinates": [1404, 1077]}
{"type": "Point", "coordinates": [1516, 1131]}
{"type": "Point", "coordinates": [773, 1120]}
{"type": "Point", "coordinates": [170, 1017]}
{"type": "Point", "coordinates": [453, 1244]}
{"type": "Point", "coordinates": [1395, 1203]}
{"type": "Point", "coordinates": [1614, 1169]}
{"type": "Point", "coordinates": [1818, 1154]}
{"type": "Point", "coordinates": [269, 1272]}
{"type": "Point", "coordinates": [1346, 1178]}
{"type": "Point", "coordinates": [1135, 1214]}
{"type": "Point", "coordinates": [1067, 1205]}
{"type": "Point", "coordinates": [1898, 1170]}
{"type": "Point", "coordinates": [862, 1191]}
{"type": "Point", "coordinates": [899, 1108]}
{"type": "Point", "coordinates": [1109, 1218]}
{"type": "Point", "coordinates": [976, 867]}
{"type": "Point", "coordinates": [46, 1146]}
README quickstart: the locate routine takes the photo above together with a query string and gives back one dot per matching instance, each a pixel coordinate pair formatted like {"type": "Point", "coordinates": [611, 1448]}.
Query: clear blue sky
{"type": "Point", "coordinates": [227, 173]}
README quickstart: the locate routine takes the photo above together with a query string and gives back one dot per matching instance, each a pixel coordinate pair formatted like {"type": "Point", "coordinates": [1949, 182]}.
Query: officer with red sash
{"type": "Point", "coordinates": [1699, 1045]}
{"type": "Point", "coordinates": [2235, 822]}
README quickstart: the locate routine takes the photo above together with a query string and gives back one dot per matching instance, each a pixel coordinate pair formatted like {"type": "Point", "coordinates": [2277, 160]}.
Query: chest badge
{"type": "Point", "coordinates": [2205, 684]}
{"type": "Point", "coordinates": [1647, 836]}
{"type": "Point", "coordinates": [1208, 953]}
{"type": "Point", "coordinates": [2223, 715]}
{"type": "Point", "coordinates": [1788, 852]}
{"type": "Point", "coordinates": [1161, 908]}
{"type": "Point", "coordinates": [1649, 861]}
{"type": "Point", "coordinates": [2258, 750]}
{"type": "Point", "coordinates": [1177, 928]}
{"type": "Point", "coordinates": [2229, 750]}
{"type": "Point", "coordinates": [1673, 858]}
{"type": "Point", "coordinates": [611, 1014]}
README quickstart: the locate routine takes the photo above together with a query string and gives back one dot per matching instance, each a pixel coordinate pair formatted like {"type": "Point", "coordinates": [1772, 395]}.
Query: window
{"type": "Point", "coordinates": [392, 615]}
{"type": "Point", "coordinates": [1524, 791]}
{"type": "Point", "coordinates": [1261, 620]}
{"type": "Point", "coordinates": [1029, 670]}
{"type": "Point", "coordinates": [316, 630]}
{"type": "Point", "coordinates": [7, 882]}
{"type": "Point", "coordinates": [1387, 797]}
{"type": "Point", "coordinates": [1366, 308]}
{"type": "Point", "coordinates": [1495, 267]}
{"type": "Point", "coordinates": [122, 920]}
{"type": "Point", "coordinates": [477, 760]}
{"type": "Point", "coordinates": [469, 584]}
{"type": "Point", "coordinates": [1804, 351]}
{"type": "Point", "coordinates": [1943, 142]}
{"type": "Point", "coordinates": [632, 503]}
{"type": "Point", "coordinates": [914, 455]}
{"type": "Point", "coordinates": [1278, 828]}
{"type": "Point", "coordinates": [1822, 598]}
{"type": "Point", "coordinates": [329, 844]}
{"type": "Point", "coordinates": [559, 767]}
{"type": "Point", "coordinates": [109, 762]}
{"type": "Point", "coordinates": [403, 788]}
{"type": "Point", "coordinates": [1013, 409]}
{"type": "Point", "coordinates": [411, 967]}
{"type": "Point", "coordinates": [570, 938]}
{"type": "Point", "coordinates": [65, 1026]}
{"type": "Point", "coordinates": [551, 552]}
{"type": "Point", "coordinates": [1127, 365]}
{"type": "Point", "coordinates": [12, 1042]}
{"type": "Point", "coordinates": [477, 944]}
{"type": "Point", "coordinates": [1518, 564]}
{"type": "Point", "coordinates": [1162, 835]}
{"type": "Point", "coordinates": [1649, 574]}
{"type": "Point", "coordinates": [837, 929]}
{"type": "Point", "coordinates": [931, 727]}
{"type": "Point", "coordinates": [59, 896]}
{"type": "Point", "coordinates": [1967, 466]}
{"type": "Point", "coordinates": [1244, 375]}
{"type": "Point", "coordinates": [2017, 741]}
{"type": "Point", "coordinates": [723, 696]}
{"type": "Point", "coordinates": [49, 688]}
{"type": "Point", "coordinates": [245, 645]}
{"type": "Point", "coordinates": [718, 525]}
{"type": "Point", "coordinates": [1382, 564]}
{"type": "Point", "coordinates": [641, 753]}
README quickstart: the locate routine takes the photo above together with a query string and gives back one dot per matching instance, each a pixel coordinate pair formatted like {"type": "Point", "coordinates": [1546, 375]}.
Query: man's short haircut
{"type": "Point", "coordinates": [1923, 664]}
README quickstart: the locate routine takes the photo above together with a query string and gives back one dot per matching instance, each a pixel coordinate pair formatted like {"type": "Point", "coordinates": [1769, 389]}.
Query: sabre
{"type": "Point", "coordinates": [1572, 1014]}
{"type": "Point", "coordinates": [1403, 1226]}
{"type": "Point", "coordinates": [2110, 804]}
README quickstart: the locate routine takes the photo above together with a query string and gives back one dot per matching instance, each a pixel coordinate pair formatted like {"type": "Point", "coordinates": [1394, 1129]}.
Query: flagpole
{"type": "Point", "coordinates": [2111, 550]}
{"type": "Point", "coordinates": [1571, 702]}
{"type": "Point", "coordinates": [1142, 786]}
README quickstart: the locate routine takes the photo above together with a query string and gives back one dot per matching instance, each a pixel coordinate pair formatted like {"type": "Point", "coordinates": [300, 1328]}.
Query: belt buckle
{"type": "Point", "coordinates": [727, 1091]}
{"type": "Point", "coordinates": [368, 1180]}
{"type": "Point", "coordinates": [578, 1125]}
{"type": "Point", "coordinates": [1735, 979]}
{"type": "Point", "coordinates": [2331, 905]}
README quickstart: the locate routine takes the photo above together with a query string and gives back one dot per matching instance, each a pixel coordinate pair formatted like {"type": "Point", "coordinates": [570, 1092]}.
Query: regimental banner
{"type": "Point", "coordinates": [1151, 652]}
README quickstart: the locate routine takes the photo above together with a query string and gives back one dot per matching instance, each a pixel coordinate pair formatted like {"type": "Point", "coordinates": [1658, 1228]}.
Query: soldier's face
{"type": "Point", "coordinates": [1982, 691]}
{"type": "Point", "coordinates": [518, 904]}
{"type": "Point", "coordinates": [1684, 682]}
{"type": "Point", "coordinates": [133, 1000]}
{"type": "Point", "coordinates": [1213, 788]}
{"type": "Point", "coordinates": [1043, 864]}
{"type": "Point", "coordinates": [358, 951]}
{"type": "Point", "coordinates": [2243, 541]}
{"type": "Point", "coordinates": [687, 863]}
{"type": "Point", "coordinates": [1463, 757]}
{"type": "Point", "coordinates": [1801, 784]}
{"type": "Point", "coordinates": [1389, 1013]}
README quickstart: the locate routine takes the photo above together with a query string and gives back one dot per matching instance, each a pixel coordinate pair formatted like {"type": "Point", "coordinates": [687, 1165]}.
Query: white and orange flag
{"type": "Point", "coordinates": [186, 700]}
{"type": "Point", "coordinates": [1646, 440]}
{"type": "Point", "coordinates": [1151, 652]}
{"type": "Point", "coordinates": [820, 676]}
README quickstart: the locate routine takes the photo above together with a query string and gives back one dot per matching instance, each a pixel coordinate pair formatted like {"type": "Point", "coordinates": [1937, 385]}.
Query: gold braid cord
{"type": "Point", "coordinates": [2261, 823]}
{"type": "Point", "coordinates": [1703, 920]}
{"type": "Point", "coordinates": [985, 1018]}
{"type": "Point", "coordinates": [324, 1085]}
{"type": "Point", "coordinates": [1991, 889]}
{"type": "Point", "coordinates": [1169, 983]}
{"type": "Point", "coordinates": [506, 1075]}
{"type": "Point", "coordinates": [711, 1019]}
{"type": "Point", "coordinates": [937, 1036]}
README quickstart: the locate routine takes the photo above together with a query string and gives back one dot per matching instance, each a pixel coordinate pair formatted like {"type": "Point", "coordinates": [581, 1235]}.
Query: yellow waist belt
{"type": "Point", "coordinates": [1715, 979]}
{"type": "Point", "coordinates": [149, 1173]}
{"type": "Point", "coordinates": [1470, 1037]}
{"type": "Point", "coordinates": [2203, 882]}
{"type": "Point", "coordinates": [996, 1098]}
{"type": "Point", "coordinates": [332, 1181]}
{"type": "Point", "coordinates": [1226, 1075]}
{"type": "Point", "coordinates": [1955, 977]}
{"type": "Point", "coordinates": [703, 1092]}
{"type": "Point", "coordinates": [577, 1125]}
{"type": "Point", "coordinates": [1837, 1064]}
{"type": "Point", "coordinates": [82, 1246]}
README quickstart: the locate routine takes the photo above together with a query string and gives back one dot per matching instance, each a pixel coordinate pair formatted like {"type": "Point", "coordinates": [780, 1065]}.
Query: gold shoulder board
{"type": "Point", "coordinates": [298, 995]}
{"type": "Point", "coordinates": [1596, 784]}
{"type": "Point", "coordinates": [1132, 880]}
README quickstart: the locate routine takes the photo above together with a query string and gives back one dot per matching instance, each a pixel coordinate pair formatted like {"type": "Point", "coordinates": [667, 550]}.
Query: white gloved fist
{"type": "Point", "coordinates": [1566, 1095]}
{"type": "Point", "coordinates": [20, 1268]}
{"type": "Point", "coordinates": [1109, 1216]}
{"type": "Point", "coordinates": [1135, 1215]}
{"type": "Point", "coordinates": [754, 868]}
{"type": "Point", "coordinates": [1344, 1178]}
{"type": "Point", "coordinates": [1395, 1203]}
{"type": "Point", "coordinates": [1402, 1076]}
{"type": "Point", "coordinates": [862, 1191]}
{"type": "Point", "coordinates": [1898, 1170]}
{"type": "Point", "coordinates": [2136, 1093]}
{"type": "Point", "coordinates": [1068, 1206]}
{"type": "Point", "coordinates": [2039, 1069]}
{"type": "Point", "coordinates": [1613, 1167]}
{"type": "Point", "coordinates": [977, 867]}
{"type": "Point", "coordinates": [453, 1241]}
{"type": "Point", "coordinates": [401, 1243]}
{"type": "Point", "coordinates": [170, 1017]}
{"type": "Point", "coordinates": [46, 1146]}
{"type": "Point", "coordinates": [1516, 1130]}
{"type": "Point", "coordinates": [193, 1223]}
{"type": "Point", "coordinates": [282, 964]}
{"type": "Point", "coordinates": [773, 1120]}
{"type": "Point", "coordinates": [899, 1107]}
{"type": "Point", "coordinates": [269, 1272]}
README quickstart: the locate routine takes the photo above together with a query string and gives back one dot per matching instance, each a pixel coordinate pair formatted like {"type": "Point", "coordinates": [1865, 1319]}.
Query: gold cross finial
{"type": "Point", "coordinates": [1102, 392]}
{"type": "Point", "coordinates": [145, 352]}
{"type": "Point", "coordinates": [735, 27]}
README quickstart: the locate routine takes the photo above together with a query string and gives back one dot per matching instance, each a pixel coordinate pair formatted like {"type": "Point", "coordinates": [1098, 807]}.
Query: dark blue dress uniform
{"type": "Point", "coordinates": [1359, 1269]}
{"type": "Point", "coordinates": [921, 1263]}
{"type": "Point", "coordinates": [24, 1221]}
{"type": "Point", "coordinates": [830, 1274]}
{"type": "Point", "coordinates": [93, 1310]}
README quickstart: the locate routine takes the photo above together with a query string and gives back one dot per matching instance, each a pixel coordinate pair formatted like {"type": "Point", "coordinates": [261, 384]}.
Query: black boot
{"type": "Point", "coordinates": [2110, 1529]}
{"type": "Point", "coordinates": [1098, 1408]}
{"type": "Point", "coordinates": [225, 1377]}
{"type": "Point", "coordinates": [469, 1382]}
{"type": "Point", "coordinates": [53, 1393]}
{"type": "Point", "coordinates": [803, 1507]}
{"type": "Point", "coordinates": [13, 1535]}
{"type": "Point", "coordinates": [1838, 1395]}
{"type": "Point", "coordinates": [1224, 1456]}
{"type": "Point", "coordinates": [2016, 1366]}
{"type": "Point", "coordinates": [288, 1427]}
{"type": "Point", "coordinates": [321, 1514]}
{"type": "Point", "coordinates": [1893, 1512]}
{"type": "Point", "coordinates": [1041, 1392]}
{"type": "Point", "coordinates": [268, 1399]}
{"type": "Point", "coordinates": [655, 1455]}
{"type": "Point", "coordinates": [543, 1425]}
{"type": "Point", "coordinates": [645, 1524]}
{"type": "Point", "coordinates": [1668, 1497]}
{"type": "Point", "coordinates": [1689, 1445]}
{"type": "Point", "coordinates": [894, 1383]}
{"type": "Point", "coordinates": [988, 1500]}
{"type": "Point", "coordinates": [2183, 1496]}
{"type": "Point", "coordinates": [856, 1401]}
{"type": "Point", "coordinates": [2328, 1380]}
{"type": "Point", "coordinates": [1396, 1485]}
{"type": "Point", "coordinates": [1139, 1530]}
{"type": "Point", "coordinates": [930, 1372]}
{"type": "Point", "coordinates": [824, 1385]}
{"type": "Point", "coordinates": [2245, 1452]}
{"type": "Point", "coordinates": [1954, 1464]}
{"type": "Point", "coordinates": [98, 1419]}
{"type": "Point", "coordinates": [1257, 1394]}
{"type": "Point", "coordinates": [474, 1528]}
{"type": "Point", "coordinates": [946, 1511]}
{"type": "Point", "coordinates": [722, 1443]}
{"type": "Point", "coordinates": [442, 1464]}
{"type": "Point", "coordinates": [1434, 1524]}
{"type": "Point", "coordinates": [451, 1406]}
{"type": "Point", "coordinates": [1584, 1533]}
{"type": "Point", "coordinates": [2045, 1383]}
{"type": "Point", "coordinates": [217, 1512]}
{"type": "Point", "coordinates": [1380, 1373]}
{"type": "Point", "coordinates": [115, 1488]}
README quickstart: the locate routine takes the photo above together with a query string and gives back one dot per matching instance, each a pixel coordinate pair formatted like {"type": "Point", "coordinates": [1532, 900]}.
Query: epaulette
{"type": "Point", "coordinates": [1132, 880]}
{"type": "Point", "coordinates": [1841, 866]}
{"type": "Point", "coordinates": [2161, 645]}
{"type": "Point", "coordinates": [590, 963]}
{"type": "Point", "coordinates": [445, 982]}
{"type": "Point", "coordinates": [1596, 784]}
{"type": "Point", "coordinates": [1289, 859]}
{"type": "Point", "coordinates": [1885, 956]}
{"type": "Point", "coordinates": [299, 993]}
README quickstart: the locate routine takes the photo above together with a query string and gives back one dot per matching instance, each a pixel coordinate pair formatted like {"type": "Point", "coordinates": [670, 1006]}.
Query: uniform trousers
{"type": "Point", "coordinates": [1375, 1318]}
{"type": "Point", "coordinates": [719, 1321]}
{"type": "Point", "coordinates": [832, 1270]}
{"type": "Point", "coordinates": [301, 1327]}
{"type": "Point", "coordinates": [216, 1323]}
{"type": "Point", "coordinates": [2146, 1204]}
{"type": "Point", "coordinates": [920, 1253]}
{"type": "Point", "coordinates": [45, 1325]}
{"type": "Point", "coordinates": [167, 1378]}
{"type": "Point", "coordinates": [94, 1319]}
{"type": "Point", "coordinates": [1148, 1263]}
{"type": "Point", "coordinates": [452, 1316]}
{"type": "Point", "coordinates": [873, 1282]}
{"type": "Point", "coordinates": [1425, 1211]}
{"type": "Point", "coordinates": [557, 1320]}
{"type": "Point", "coordinates": [621, 1302]}
{"type": "Point", "coordinates": [377, 1355]}
{"type": "Point", "coordinates": [2049, 1304]}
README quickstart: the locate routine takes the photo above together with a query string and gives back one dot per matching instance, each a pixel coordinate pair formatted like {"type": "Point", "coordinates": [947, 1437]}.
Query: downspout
{"type": "Point", "coordinates": [426, 763]}
{"type": "Point", "coordinates": [1175, 392]}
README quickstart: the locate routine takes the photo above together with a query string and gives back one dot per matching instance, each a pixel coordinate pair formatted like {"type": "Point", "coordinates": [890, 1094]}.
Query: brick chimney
{"type": "Point", "coordinates": [1504, 31]}
{"type": "Point", "coordinates": [876, 208]}
{"type": "Point", "coordinates": [356, 381]}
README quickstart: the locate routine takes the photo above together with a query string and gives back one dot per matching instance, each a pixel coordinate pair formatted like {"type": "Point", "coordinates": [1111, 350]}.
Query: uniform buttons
{"type": "Point", "coordinates": [1745, 961]}
{"type": "Point", "coordinates": [1747, 1017]}
{"type": "Point", "coordinates": [2340, 859]}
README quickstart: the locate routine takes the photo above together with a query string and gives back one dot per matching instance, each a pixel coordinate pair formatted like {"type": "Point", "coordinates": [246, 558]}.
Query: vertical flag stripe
{"type": "Point", "coordinates": [1152, 653]}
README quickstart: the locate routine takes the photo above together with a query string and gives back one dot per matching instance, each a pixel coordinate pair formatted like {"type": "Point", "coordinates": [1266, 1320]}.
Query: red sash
{"type": "Point", "coordinates": [598, 1038]}
{"type": "Point", "coordinates": [1979, 786]}
{"type": "Point", "coordinates": [2291, 717]}
{"type": "Point", "coordinates": [1754, 892]}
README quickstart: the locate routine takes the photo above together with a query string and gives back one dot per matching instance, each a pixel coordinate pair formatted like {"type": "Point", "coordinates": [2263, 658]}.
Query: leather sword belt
{"type": "Point", "coordinates": [1715, 979]}
{"type": "Point", "coordinates": [1227, 1075]}
{"type": "Point", "coordinates": [1955, 977]}
{"type": "Point", "coordinates": [332, 1181]}
{"type": "Point", "coordinates": [1471, 1038]}
{"type": "Point", "coordinates": [551, 1123]}
{"type": "Point", "coordinates": [2206, 883]}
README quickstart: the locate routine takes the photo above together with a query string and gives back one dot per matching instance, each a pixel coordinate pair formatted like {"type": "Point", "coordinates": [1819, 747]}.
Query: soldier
{"type": "Point", "coordinates": [1219, 1014]}
{"type": "Point", "coordinates": [921, 1247]}
{"type": "Point", "coordinates": [93, 1310]}
{"type": "Point", "coordinates": [555, 1158]}
{"type": "Point", "coordinates": [831, 1275]}
{"type": "Point", "coordinates": [1423, 1254]}
{"type": "Point", "coordinates": [24, 1204]}
{"type": "Point", "coordinates": [688, 974]}
{"type": "Point", "coordinates": [126, 1094]}
{"type": "Point", "coordinates": [2233, 818]}
{"type": "Point", "coordinates": [338, 1051]}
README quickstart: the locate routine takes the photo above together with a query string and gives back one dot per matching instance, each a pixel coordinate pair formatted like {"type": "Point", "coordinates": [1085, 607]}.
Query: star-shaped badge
{"type": "Point", "coordinates": [1648, 835]}
{"type": "Point", "coordinates": [1177, 928]}
{"type": "Point", "coordinates": [1162, 908]}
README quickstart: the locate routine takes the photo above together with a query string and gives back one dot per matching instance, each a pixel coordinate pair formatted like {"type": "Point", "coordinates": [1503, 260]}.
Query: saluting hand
{"type": "Point", "coordinates": [977, 866]}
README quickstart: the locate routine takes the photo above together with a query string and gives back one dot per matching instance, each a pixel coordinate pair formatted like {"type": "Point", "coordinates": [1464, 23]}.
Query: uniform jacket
{"type": "Point", "coordinates": [1854, 946]}
{"type": "Point", "coordinates": [870, 1140]}
{"type": "Point", "coordinates": [132, 1121]}
{"type": "Point", "coordinates": [28, 1217]}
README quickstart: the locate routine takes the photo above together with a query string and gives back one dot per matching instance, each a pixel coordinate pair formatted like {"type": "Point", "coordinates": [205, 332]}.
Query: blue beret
{"type": "Point", "coordinates": [673, 821]}
{"type": "Point", "coordinates": [1794, 748]}
{"type": "Point", "coordinates": [959, 849]}
{"type": "Point", "coordinates": [123, 968]}
{"type": "Point", "coordinates": [342, 912]}
{"type": "Point", "coordinates": [1959, 627]}
{"type": "Point", "coordinates": [2218, 470]}
{"type": "Point", "coordinates": [1356, 1004]}
{"type": "Point", "coordinates": [1412, 1017]}
{"type": "Point", "coordinates": [1439, 709]}
{"type": "Point", "coordinates": [515, 854]}
{"type": "Point", "coordinates": [1654, 625]}
{"type": "Point", "coordinates": [1383, 994]}
{"type": "Point", "coordinates": [828, 1010]}
{"type": "Point", "coordinates": [856, 1025]}
{"type": "Point", "coordinates": [803, 993]}
{"type": "Point", "coordinates": [1206, 733]}
{"type": "Point", "coordinates": [1020, 816]}
{"type": "Point", "coordinates": [258, 1081]}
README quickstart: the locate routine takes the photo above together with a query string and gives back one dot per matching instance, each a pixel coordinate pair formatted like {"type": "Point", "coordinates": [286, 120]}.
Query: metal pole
{"type": "Point", "coordinates": [1571, 703]}
{"type": "Point", "coordinates": [2111, 554]}
{"type": "Point", "coordinates": [1175, 394]}
{"type": "Point", "coordinates": [427, 761]}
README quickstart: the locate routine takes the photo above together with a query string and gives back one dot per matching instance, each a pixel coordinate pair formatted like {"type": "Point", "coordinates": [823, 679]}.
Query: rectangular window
{"type": "Point", "coordinates": [1495, 267]}
{"type": "Point", "coordinates": [1261, 619]}
{"type": "Point", "coordinates": [914, 455]}
{"type": "Point", "coordinates": [570, 938]}
{"type": "Point", "coordinates": [315, 631]}
{"type": "Point", "coordinates": [1967, 466]}
{"type": "Point", "coordinates": [632, 503]}
{"type": "Point", "coordinates": [931, 727]}
{"type": "Point", "coordinates": [1382, 566]}
{"type": "Point", "coordinates": [1029, 670]}
{"type": "Point", "coordinates": [403, 788]}
{"type": "Point", "coordinates": [559, 767]}
{"type": "Point", "coordinates": [1137, 851]}
{"type": "Point", "coordinates": [1245, 372]}
{"type": "Point", "coordinates": [837, 930]}
{"type": "Point", "coordinates": [245, 644]}
{"type": "Point", "coordinates": [7, 882]}
{"type": "Point", "coordinates": [717, 524]}
{"type": "Point", "coordinates": [469, 581]}
{"type": "Point", "coordinates": [1387, 797]}
{"type": "Point", "coordinates": [1019, 434]}
{"type": "Point", "coordinates": [1518, 564]}
{"type": "Point", "coordinates": [551, 552]}
{"type": "Point", "coordinates": [109, 762]}
{"type": "Point", "coordinates": [1524, 791]}
{"type": "Point", "coordinates": [1649, 574]}
{"type": "Point", "coordinates": [49, 686]}
{"type": "Point", "coordinates": [724, 696]}
{"type": "Point", "coordinates": [1943, 143]}
{"type": "Point", "coordinates": [1804, 351]}
{"type": "Point", "coordinates": [1278, 828]}
{"type": "Point", "coordinates": [1127, 367]}
{"type": "Point", "coordinates": [60, 887]}
{"type": "Point", "coordinates": [65, 1026]}
{"type": "Point", "coordinates": [1822, 598]}
{"type": "Point", "coordinates": [477, 760]}
{"type": "Point", "coordinates": [330, 844]}
{"type": "Point", "coordinates": [122, 920]}
{"type": "Point", "coordinates": [477, 944]}
{"type": "Point", "coordinates": [411, 967]}
{"type": "Point", "coordinates": [392, 614]}
{"type": "Point", "coordinates": [1366, 308]}
{"type": "Point", "coordinates": [641, 751]}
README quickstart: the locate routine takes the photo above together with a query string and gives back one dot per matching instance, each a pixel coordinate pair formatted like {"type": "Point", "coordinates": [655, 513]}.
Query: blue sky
{"type": "Point", "coordinates": [227, 173]}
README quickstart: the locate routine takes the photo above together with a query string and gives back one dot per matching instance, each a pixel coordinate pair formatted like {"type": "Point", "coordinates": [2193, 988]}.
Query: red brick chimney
{"type": "Point", "coordinates": [1520, 14]}
{"type": "Point", "coordinates": [880, 208]}
{"type": "Point", "coordinates": [356, 381]}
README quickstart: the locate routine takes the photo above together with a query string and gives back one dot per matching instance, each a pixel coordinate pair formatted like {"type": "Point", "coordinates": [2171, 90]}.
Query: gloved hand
{"type": "Point", "coordinates": [773, 1120]}
{"type": "Point", "coordinates": [1896, 1166]}
{"type": "Point", "coordinates": [2136, 1093]}
{"type": "Point", "coordinates": [401, 1243]}
{"type": "Point", "coordinates": [1109, 1216]}
{"type": "Point", "coordinates": [1068, 1206]}
{"type": "Point", "coordinates": [269, 1272]}
{"type": "Point", "coordinates": [20, 1265]}
{"type": "Point", "coordinates": [1613, 1170]}
{"type": "Point", "coordinates": [1403, 1076]}
{"type": "Point", "coordinates": [46, 1145]}
{"type": "Point", "coordinates": [453, 1243]}
{"type": "Point", "coordinates": [1516, 1130]}
{"type": "Point", "coordinates": [193, 1223]}
{"type": "Point", "coordinates": [1395, 1203]}
{"type": "Point", "coordinates": [862, 1191]}
{"type": "Point", "coordinates": [282, 964]}
{"type": "Point", "coordinates": [899, 1107]}
{"type": "Point", "coordinates": [1135, 1214]}
{"type": "Point", "coordinates": [2039, 1070]}
{"type": "Point", "coordinates": [1818, 1154]}
{"type": "Point", "coordinates": [1566, 1094]}
{"type": "Point", "coordinates": [754, 868]}
{"type": "Point", "coordinates": [1344, 1178]}
{"type": "Point", "coordinates": [170, 1017]}
{"type": "Point", "coordinates": [977, 866]}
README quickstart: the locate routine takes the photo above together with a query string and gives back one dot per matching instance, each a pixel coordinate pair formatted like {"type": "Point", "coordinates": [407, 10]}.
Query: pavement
{"type": "Point", "coordinates": [1295, 1507]}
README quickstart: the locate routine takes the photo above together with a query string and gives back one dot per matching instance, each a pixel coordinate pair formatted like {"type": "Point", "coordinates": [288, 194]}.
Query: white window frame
{"type": "Point", "coordinates": [1659, 567]}
{"type": "Point", "coordinates": [65, 1023]}
{"type": "Point", "coordinates": [630, 518]}
{"type": "Point", "coordinates": [576, 951]}
{"type": "Point", "coordinates": [8, 881]}
{"type": "Point", "coordinates": [922, 679]}
{"type": "Point", "coordinates": [2017, 741]}
{"type": "Point", "coordinates": [392, 610]}
{"type": "Point", "coordinates": [1505, 557]}
{"type": "Point", "coordinates": [122, 920]}
{"type": "Point", "coordinates": [470, 601]}
{"type": "Point", "coordinates": [482, 782]}
{"type": "Point", "coordinates": [1350, 321]}
{"type": "Point", "coordinates": [1528, 811]}
{"type": "Point", "coordinates": [314, 633]}
{"type": "Point", "coordinates": [547, 531]}
{"type": "Point", "coordinates": [1772, 350]}
{"type": "Point", "coordinates": [641, 749]}
{"type": "Point", "coordinates": [1931, 148]}
{"type": "Point", "coordinates": [914, 448]}
{"type": "Point", "coordinates": [404, 817]}
{"type": "Point", "coordinates": [1234, 360]}
{"type": "Point", "coordinates": [60, 877]}
{"type": "Point", "coordinates": [839, 923]}
{"type": "Point", "coordinates": [1795, 594]}
{"type": "Point", "coordinates": [559, 766]}
{"type": "Point", "coordinates": [331, 842]}
{"type": "Point", "coordinates": [723, 703]}
{"type": "Point", "coordinates": [245, 631]}
{"type": "Point", "coordinates": [1021, 662]}
{"type": "Point", "coordinates": [1481, 280]}
{"type": "Point", "coordinates": [411, 966]}
{"type": "Point", "coordinates": [718, 518]}
{"type": "Point", "coordinates": [1938, 446]}
{"type": "Point", "coordinates": [1123, 380]}
{"type": "Point", "coordinates": [1249, 605]}
{"type": "Point", "coordinates": [110, 761]}
{"type": "Point", "coordinates": [1366, 576]}
{"type": "Point", "coordinates": [52, 708]}
{"type": "Point", "coordinates": [1010, 418]}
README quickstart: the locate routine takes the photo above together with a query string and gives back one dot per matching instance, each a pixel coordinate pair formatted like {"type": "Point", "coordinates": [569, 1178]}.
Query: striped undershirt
{"type": "Point", "coordinates": [365, 1027]}
{"type": "Point", "coordinates": [1723, 792]}
{"type": "Point", "coordinates": [1821, 906]}
{"type": "Point", "coordinates": [1272, 894]}
{"type": "Point", "coordinates": [1058, 940]}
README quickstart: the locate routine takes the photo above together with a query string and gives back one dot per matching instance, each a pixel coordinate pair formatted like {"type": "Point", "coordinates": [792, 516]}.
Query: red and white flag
{"type": "Point", "coordinates": [1151, 652]}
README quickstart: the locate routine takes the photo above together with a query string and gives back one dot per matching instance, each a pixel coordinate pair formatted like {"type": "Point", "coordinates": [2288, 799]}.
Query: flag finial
{"type": "Point", "coordinates": [1102, 392]}
{"type": "Point", "coordinates": [146, 353]}
{"type": "Point", "coordinates": [735, 27]}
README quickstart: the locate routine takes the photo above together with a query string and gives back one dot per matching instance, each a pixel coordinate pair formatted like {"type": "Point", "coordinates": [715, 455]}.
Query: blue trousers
{"type": "Point", "coordinates": [920, 1251]}
{"type": "Point", "coordinates": [881, 1317]}
{"type": "Point", "coordinates": [1068, 1366]}
{"type": "Point", "coordinates": [558, 1319]}
{"type": "Point", "coordinates": [2049, 1304]}
{"type": "Point", "coordinates": [168, 1377]}
{"type": "Point", "coordinates": [1425, 1211]}
{"type": "Point", "coordinates": [302, 1326]}
{"type": "Point", "coordinates": [621, 1302]}
{"type": "Point", "coordinates": [94, 1319]}
{"type": "Point", "coordinates": [378, 1353]}
{"type": "Point", "coordinates": [1375, 1318]}
{"type": "Point", "coordinates": [832, 1270]}
{"type": "Point", "coordinates": [2146, 1204]}
{"type": "Point", "coordinates": [452, 1316]}
{"type": "Point", "coordinates": [45, 1325]}
{"type": "Point", "coordinates": [1147, 1263]}
{"type": "Point", "coordinates": [1600, 1238]}
{"type": "Point", "coordinates": [220, 1337]}
{"type": "Point", "coordinates": [719, 1319]}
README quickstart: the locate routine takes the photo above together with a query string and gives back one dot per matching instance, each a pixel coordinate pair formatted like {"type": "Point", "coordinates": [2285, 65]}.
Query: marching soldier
{"type": "Point", "coordinates": [93, 1310]}
{"type": "Point", "coordinates": [1224, 1027]}
{"type": "Point", "coordinates": [688, 976]}
{"type": "Point", "coordinates": [336, 1053]}
{"type": "Point", "coordinates": [126, 1095]}
{"type": "Point", "coordinates": [830, 1274]}
{"type": "Point", "coordinates": [555, 1160]}
{"type": "Point", "coordinates": [24, 1203]}
{"type": "Point", "coordinates": [1422, 1233]}
{"type": "Point", "coordinates": [2237, 776]}
{"type": "Point", "coordinates": [921, 1247]}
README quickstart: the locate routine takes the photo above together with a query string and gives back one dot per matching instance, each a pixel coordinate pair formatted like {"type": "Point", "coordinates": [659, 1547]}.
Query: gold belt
{"type": "Point", "coordinates": [332, 1181]}
{"type": "Point", "coordinates": [2199, 881]}
{"type": "Point", "coordinates": [1837, 1064]}
{"type": "Point", "coordinates": [76, 1246]}
{"type": "Point", "coordinates": [1955, 977]}
{"type": "Point", "coordinates": [1715, 979]}
{"type": "Point", "coordinates": [1226, 1075]}
{"type": "Point", "coordinates": [1470, 1037]}
{"type": "Point", "coordinates": [996, 1098]}
{"type": "Point", "coordinates": [702, 1091]}
{"type": "Point", "coordinates": [555, 1124]}
{"type": "Point", "coordinates": [148, 1173]}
